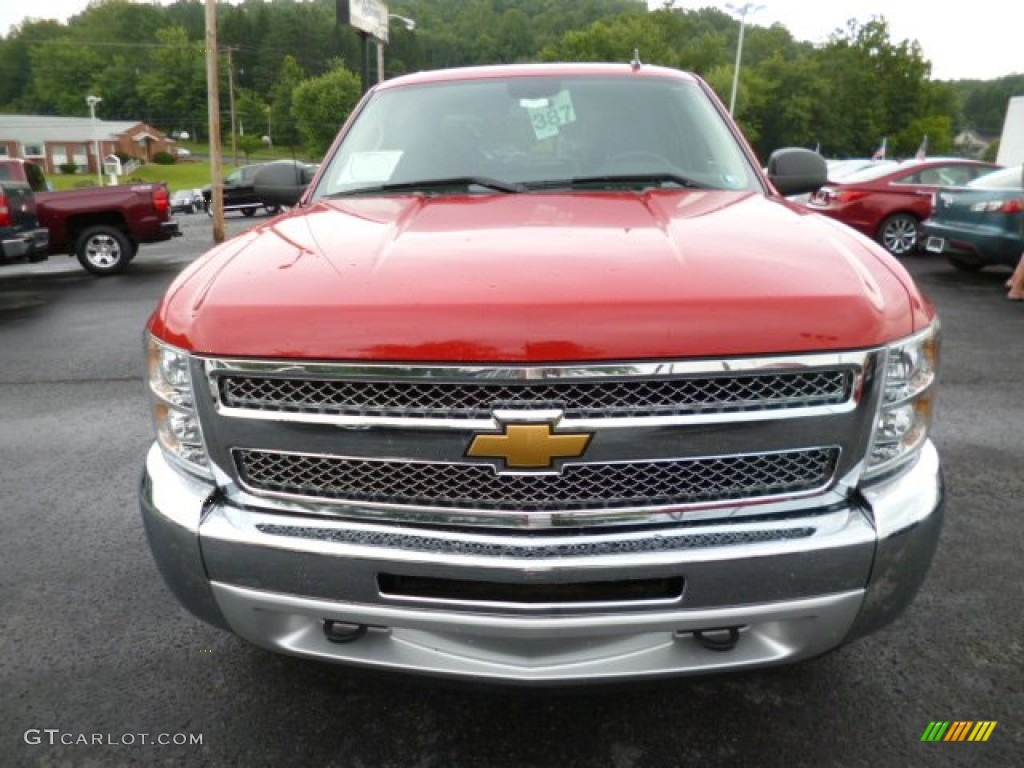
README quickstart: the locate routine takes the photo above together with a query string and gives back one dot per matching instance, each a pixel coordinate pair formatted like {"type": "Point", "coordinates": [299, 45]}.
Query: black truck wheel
{"type": "Point", "coordinates": [103, 250]}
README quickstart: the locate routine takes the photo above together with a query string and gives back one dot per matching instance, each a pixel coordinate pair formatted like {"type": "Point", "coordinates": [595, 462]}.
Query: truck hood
{"type": "Point", "coordinates": [541, 277]}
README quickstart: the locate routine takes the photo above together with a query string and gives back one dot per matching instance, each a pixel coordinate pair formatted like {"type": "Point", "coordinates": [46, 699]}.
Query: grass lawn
{"type": "Point", "coordinates": [189, 173]}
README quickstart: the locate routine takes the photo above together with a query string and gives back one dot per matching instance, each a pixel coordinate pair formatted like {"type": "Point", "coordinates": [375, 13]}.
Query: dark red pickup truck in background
{"type": "Point", "coordinates": [102, 226]}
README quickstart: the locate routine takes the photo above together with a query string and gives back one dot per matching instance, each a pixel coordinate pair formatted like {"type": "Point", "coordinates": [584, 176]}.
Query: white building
{"type": "Point", "coordinates": [51, 141]}
{"type": "Point", "coordinates": [1011, 145]}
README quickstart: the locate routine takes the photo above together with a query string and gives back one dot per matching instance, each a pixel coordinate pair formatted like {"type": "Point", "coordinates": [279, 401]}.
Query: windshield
{"type": "Point", "coordinates": [839, 169]}
{"type": "Point", "coordinates": [872, 173]}
{"type": "Point", "coordinates": [1005, 178]}
{"type": "Point", "coordinates": [501, 135]}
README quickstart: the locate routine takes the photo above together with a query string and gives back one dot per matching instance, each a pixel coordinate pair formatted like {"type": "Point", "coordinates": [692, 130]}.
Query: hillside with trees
{"type": "Point", "coordinates": [296, 72]}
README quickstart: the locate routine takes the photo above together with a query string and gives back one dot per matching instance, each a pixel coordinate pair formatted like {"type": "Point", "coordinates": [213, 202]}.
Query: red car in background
{"type": "Point", "coordinates": [888, 203]}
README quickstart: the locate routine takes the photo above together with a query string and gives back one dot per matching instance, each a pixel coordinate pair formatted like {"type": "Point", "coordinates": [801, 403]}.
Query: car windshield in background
{"type": "Point", "coordinates": [841, 169]}
{"type": "Point", "coordinates": [1004, 178]}
{"type": "Point", "coordinates": [501, 135]}
{"type": "Point", "coordinates": [871, 173]}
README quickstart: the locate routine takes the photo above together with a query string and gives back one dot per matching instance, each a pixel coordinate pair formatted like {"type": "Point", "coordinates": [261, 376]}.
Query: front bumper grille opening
{"type": "Point", "coordinates": [578, 399]}
{"type": "Point", "coordinates": [577, 487]}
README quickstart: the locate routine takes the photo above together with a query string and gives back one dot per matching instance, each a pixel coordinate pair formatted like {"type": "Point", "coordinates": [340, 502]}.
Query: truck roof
{"type": "Point", "coordinates": [534, 70]}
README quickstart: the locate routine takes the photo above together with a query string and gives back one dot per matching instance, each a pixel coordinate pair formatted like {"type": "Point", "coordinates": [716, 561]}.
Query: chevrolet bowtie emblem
{"type": "Point", "coordinates": [528, 446]}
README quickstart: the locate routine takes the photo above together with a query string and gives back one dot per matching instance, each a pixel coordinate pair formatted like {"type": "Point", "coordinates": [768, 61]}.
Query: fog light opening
{"type": "Point", "coordinates": [342, 631]}
{"type": "Point", "coordinates": [718, 639]}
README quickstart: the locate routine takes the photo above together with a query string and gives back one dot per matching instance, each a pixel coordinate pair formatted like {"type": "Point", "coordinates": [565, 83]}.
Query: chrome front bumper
{"type": "Point", "coordinates": [791, 589]}
{"type": "Point", "coordinates": [30, 242]}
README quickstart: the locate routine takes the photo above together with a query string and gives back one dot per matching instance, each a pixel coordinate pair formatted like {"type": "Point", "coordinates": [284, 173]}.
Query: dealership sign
{"type": "Point", "coordinates": [368, 16]}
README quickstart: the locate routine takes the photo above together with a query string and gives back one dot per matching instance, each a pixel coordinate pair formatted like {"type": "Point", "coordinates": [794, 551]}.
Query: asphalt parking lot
{"type": "Point", "coordinates": [98, 662]}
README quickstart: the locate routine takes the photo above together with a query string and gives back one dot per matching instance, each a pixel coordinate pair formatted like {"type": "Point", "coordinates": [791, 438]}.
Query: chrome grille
{"type": "Point", "coordinates": [607, 397]}
{"type": "Point", "coordinates": [535, 549]}
{"type": "Point", "coordinates": [578, 486]}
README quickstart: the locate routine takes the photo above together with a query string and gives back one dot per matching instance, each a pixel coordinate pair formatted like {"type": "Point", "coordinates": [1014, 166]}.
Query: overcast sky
{"type": "Point", "coordinates": [979, 39]}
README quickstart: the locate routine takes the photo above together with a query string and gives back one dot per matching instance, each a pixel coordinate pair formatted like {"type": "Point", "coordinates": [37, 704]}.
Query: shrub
{"type": "Point", "coordinates": [991, 152]}
{"type": "Point", "coordinates": [68, 168]}
{"type": "Point", "coordinates": [163, 158]}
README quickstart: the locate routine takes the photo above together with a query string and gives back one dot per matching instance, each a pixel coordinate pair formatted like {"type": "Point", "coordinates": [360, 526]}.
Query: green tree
{"type": "Point", "coordinates": [282, 126]}
{"type": "Point", "coordinates": [16, 61]}
{"type": "Point", "coordinates": [117, 82]}
{"type": "Point", "coordinates": [253, 115]}
{"type": "Point", "coordinates": [783, 97]}
{"type": "Point", "coordinates": [174, 85]}
{"type": "Point", "coordinates": [875, 87]}
{"type": "Point", "coordinates": [248, 144]}
{"type": "Point", "coordinates": [983, 104]}
{"type": "Point", "coordinates": [935, 132]}
{"type": "Point", "coordinates": [102, 38]}
{"type": "Point", "coordinates": [63, 74]}
{"type": "Point", "coordinates": [321, 105]}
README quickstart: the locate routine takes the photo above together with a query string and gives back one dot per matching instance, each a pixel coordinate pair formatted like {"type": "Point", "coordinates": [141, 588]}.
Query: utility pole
{"type": "Point", "coordinates": [213, 106]}
{"type": "Point", "coordinates": [231, 103]}
{"type": "Point", "coordinates": [364, 56]}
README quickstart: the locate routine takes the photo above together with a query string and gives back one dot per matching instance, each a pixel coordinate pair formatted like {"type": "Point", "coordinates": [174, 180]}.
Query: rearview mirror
{"type": "Point", "coordinates": [282, 182]}
{"type": "Point", "coordinates": [796, 171]}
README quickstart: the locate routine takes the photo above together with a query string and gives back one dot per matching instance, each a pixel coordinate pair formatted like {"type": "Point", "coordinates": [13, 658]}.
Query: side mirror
{"type": "Point", "coordinates": [796, 171]}
{"type": "Point", "coordinates": [282, 182]}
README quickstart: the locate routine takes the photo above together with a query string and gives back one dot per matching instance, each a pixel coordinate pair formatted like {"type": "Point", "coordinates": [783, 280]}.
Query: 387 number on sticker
{"type": "Point", "coordinates": [548, 119]}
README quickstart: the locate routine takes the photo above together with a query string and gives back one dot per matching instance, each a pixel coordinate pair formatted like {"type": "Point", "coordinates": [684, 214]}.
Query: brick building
{"type": "Point", "coordinates": [53, 141]}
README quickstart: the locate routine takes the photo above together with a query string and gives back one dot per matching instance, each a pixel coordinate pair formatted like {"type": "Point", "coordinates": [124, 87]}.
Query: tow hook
{"type": "Point", "coordinates": [719, 639]}
{"type": "Point", "coordinates": [342, 631]}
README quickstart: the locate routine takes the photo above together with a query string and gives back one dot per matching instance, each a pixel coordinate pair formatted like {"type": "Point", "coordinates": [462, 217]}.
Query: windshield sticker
{"type": "Point", "coordinates": [375, 167]}
{"type": "Point", "coordinates": [548, 115]}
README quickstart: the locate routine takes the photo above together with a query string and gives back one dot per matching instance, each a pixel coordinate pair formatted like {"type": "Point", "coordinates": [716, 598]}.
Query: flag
{"type": "Point", "coordinates": [922, 151]}
{"type": "Point", "coordinates": [880, 152]}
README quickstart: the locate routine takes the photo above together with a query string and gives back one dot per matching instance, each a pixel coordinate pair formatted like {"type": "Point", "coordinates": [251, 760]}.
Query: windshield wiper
{"type": "Point", "coordinates": [620, 179]}
{"type": "Point", "coordinates": [496, 185]}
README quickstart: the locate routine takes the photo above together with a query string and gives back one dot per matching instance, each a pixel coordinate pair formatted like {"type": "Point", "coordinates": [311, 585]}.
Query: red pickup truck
{"type": "Point", "coordinates": [544, 380]}
{"type": "Point", "coordinates": [102, 226]}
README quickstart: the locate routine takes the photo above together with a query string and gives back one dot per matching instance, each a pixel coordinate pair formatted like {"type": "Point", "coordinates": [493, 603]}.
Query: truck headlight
{"type": "Point", "coordinates": [171, 399]}
{"type": "Point", "coordinates": [908, 402]}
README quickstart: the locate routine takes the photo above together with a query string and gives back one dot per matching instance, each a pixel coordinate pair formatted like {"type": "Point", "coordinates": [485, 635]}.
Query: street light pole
{"type": "Point", "coordinates": [409, 24]}
{"type": "Point", "coordinates": [742, 11]}
{"type": "Point", "coordinates": [92, 101]}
